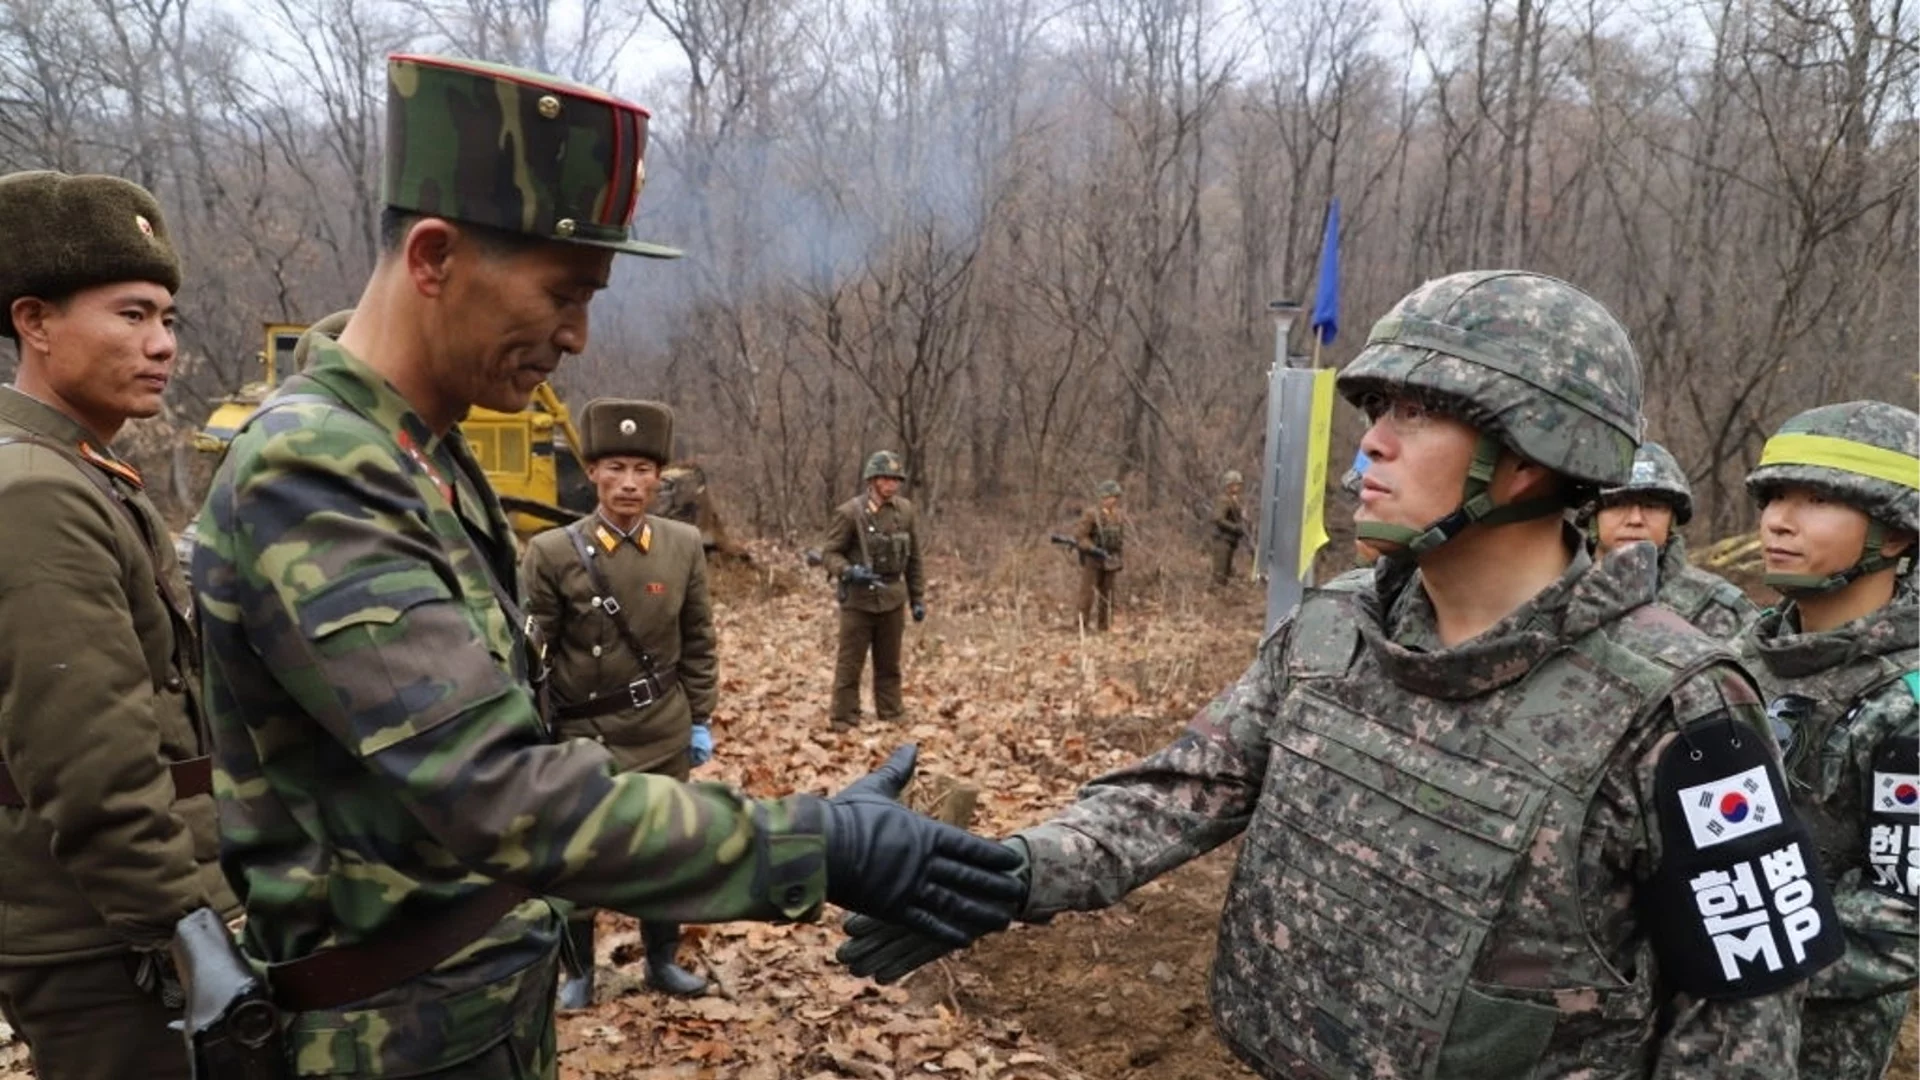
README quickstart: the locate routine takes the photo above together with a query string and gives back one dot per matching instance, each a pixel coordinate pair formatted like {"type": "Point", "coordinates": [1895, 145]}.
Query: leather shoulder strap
{"type": "Point", "coordinates": [610, 604]}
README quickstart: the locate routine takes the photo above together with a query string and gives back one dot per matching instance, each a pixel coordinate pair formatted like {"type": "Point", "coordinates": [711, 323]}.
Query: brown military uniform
{"type": "Point", "coordinates": [658, 575]}
{"type": "Point", "coordinates": [1107, 531]}
{"type": "Point", "coordinates": [100, 852]}
{"type": "Point", "coordinates": [873, 618]}
{"type": "Point", "coordinates": [1229, 526]}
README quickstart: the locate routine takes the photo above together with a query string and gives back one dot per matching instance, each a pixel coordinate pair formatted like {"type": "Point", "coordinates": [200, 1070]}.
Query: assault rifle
{"type": "Point", "coordinates": [1072, 544]}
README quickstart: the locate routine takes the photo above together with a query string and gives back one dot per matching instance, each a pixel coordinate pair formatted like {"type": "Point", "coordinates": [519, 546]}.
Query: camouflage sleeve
{"type": "Point", "coordinates": [1881, 936]}
{"type": "Point", "coordinates": [916, 578]}
{"type": "Point", "coordinates": [699, 660]}
{"type": "Point", "coordinates": [344, 589]}
{"type": "Point", "coordinates": [1726, 614]}
{"type": "Point", "coordinates": [1130, 826]}
{"type": "Point", "coordinates": [78, 728]}
{"type": "Point", "coordinates": [1752, 1039]}
{"type": "Point", "coordinates": [838, 548]}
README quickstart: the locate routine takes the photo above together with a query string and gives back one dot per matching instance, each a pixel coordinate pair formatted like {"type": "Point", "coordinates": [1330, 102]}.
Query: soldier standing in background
{"type": "Point", "coordinates": [620, 597]}
{"type": "Point", "coordinates": [1504, 815]}
{"type": "Point", "coordinates": [1229, 528]}
{"type": "Point", "coordinates": [106, 809]}
{"type": "Point", "coordinates": [1101, 534]}
{"type": "Point", "coordinates": [1839, 663]}
{"type": "Point", "coordinates": [873, 551]}
{"type": "Point", "coordinates": [1651, 506]}
{"type": "Point", "coordinates": [392, 804]}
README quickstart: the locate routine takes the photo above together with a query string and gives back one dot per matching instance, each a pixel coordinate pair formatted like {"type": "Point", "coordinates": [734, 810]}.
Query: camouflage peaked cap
{"type": "Point", "coordinates": [1107, 489]}
{"type": "Point", "coordinates": [1655, 472]}
{"type": "Point", "coordinates": [1526, 358]}
{"type": "Point", "coordinates": [515, 150]}
{"type": "Point", "coordinates": [1864, 453]}
{"type": "Point", "coordinates": [63, 233]}
{"type": "Point", "coordinates": [884, 463]}
{"type": "Point", "coordinates": [612, 426]}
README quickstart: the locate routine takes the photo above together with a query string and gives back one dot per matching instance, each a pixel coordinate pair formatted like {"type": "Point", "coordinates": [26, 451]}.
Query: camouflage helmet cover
{"type": "Point", "coordinates": [514, 150]}
{"type": "Point", "coordinates": [1526, 358]}
{"type": "Point", "coordinates": [1107, 489]}
{"type": "Point", "coordinates": [1655, 472]}
{"type": "Point", "coordinates": [1864, 453]}
{"type": "Point", "coordinates": [1231, 477]}
{"type": "Point", "coordinates": [884, 463]}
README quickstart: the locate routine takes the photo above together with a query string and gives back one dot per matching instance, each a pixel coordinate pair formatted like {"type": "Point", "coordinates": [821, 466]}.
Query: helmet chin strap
{"type": "Point", "coordinates": [1870, 561]}
{"type": "Point", "coordinates": [1476, 505]}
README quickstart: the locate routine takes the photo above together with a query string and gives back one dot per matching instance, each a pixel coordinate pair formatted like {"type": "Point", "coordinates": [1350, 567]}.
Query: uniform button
{"type": "Point", "coordinates": [174, 684]}
{"type": "Point", "coordinates": [596, 650]}
{"type": "Point", "coordinates": [601, 739]}
{"type": "Point", "coordinates": [795, 895]}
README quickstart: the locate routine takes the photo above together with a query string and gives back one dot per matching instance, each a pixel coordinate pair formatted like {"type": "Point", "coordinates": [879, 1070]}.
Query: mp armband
{"type": "Point", "coordinates": [1893, 819]}
{"type": "Point", "coordinates": [1738, 907]}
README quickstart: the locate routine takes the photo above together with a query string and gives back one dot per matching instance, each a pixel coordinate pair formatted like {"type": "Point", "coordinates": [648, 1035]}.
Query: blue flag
{"type": "Point", "coordinates": [1326, 299]}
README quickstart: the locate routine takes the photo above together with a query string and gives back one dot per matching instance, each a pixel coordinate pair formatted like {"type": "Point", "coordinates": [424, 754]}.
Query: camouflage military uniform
{"type": "Point", "coordinates": [1102, 536]}
{"type": "Point", "coordinates": [1843, 702]}
{"type": "Point", "coordinates": [1705, 599]}
{"type": "Point", "coordinates": [381, 769]}
{"type": "Point", "coordinates": [107, 823]}
{"type": "Point", "coordinates": [1477, 859]}
{"type": "Point", "coordinates": [1229, 528]}
{"type": "Point", "coordinates": [884, 537]}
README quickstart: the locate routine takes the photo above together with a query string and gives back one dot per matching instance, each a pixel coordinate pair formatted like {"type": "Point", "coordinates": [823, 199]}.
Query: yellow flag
{"type": "Point", "coordinates": [1313, 502]}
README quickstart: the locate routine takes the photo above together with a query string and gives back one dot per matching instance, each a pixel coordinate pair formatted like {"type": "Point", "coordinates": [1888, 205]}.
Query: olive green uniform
{"type": "Point", "coordinates": [873, 618]}
{"type": "Point", "coordinates": [1107, 531]}
{"type": "Point", "coordinates": [1229, 528]}
{"type": "Point", "coordinates": [658, 575]}
{"type": "Point", "coordinates": [95, 669]}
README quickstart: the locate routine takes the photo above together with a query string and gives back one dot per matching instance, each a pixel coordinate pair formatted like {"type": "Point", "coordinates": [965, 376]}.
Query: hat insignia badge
{"type": "Point", "coordinates": [628, 427]}
{"type": "Point", "coordinates": [146, 227]}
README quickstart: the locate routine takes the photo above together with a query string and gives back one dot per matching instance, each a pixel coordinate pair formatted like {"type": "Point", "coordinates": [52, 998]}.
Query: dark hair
{"type": "Point", "coordinates": [492, 242]}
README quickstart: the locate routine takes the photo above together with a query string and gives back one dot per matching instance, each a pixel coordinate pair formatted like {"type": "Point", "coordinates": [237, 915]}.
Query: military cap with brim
{"type": "Point", "coordinates": [615, 427]}
{"type": "Point", "coordinates": [515, 150]}
{"type": "Point", "coordinates": [63, 233]}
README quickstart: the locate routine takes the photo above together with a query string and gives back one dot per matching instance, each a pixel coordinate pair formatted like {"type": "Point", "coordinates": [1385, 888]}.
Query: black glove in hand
{"type": "Point", "coordinates": [919, 611]}
{"type": "Point", "coordinates": [889, 862]}
{"type": "Point", "coordinates": [859, 574]}
{"type": "Point", "coordinates": [886, 952]}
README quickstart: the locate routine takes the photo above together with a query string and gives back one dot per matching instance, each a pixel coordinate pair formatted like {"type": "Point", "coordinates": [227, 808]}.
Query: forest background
{"type": "Point", "coordinates": [1030, 243]}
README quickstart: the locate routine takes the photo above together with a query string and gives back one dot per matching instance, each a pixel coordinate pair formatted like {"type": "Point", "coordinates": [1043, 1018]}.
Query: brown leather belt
{"type": "Point", "coordinates": [194, 776]}
{"type": "Point", "coordinates": [637, 694]}
{"type": "Point", "coordinates": [403, 950]}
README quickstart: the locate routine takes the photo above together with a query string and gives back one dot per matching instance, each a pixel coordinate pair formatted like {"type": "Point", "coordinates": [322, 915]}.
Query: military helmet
{"type": "Point", "coordinates": [1656, 473]}
{"type": "Point", "coordinates": [884, 463]}
{"type": "Point", "coordinates": [1230, 478]}
{"type": "Point", "coordinates": [1533, 363]}
{"type": "Point", "coordinates": [1107, 489]}
{"type": "Point", "coordinates": [1865, 454]}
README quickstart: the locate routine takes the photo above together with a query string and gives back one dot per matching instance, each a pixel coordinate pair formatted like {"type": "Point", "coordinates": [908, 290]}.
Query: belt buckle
{"type": "Point", "coordinates": [642, 692]}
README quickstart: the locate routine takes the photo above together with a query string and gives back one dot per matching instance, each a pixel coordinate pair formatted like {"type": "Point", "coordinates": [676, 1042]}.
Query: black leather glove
{"type": "Point", "coordinates": [890, 953]}
{"type": "Point", "coordinates": [859, 574]}
{"type": "Point", "coordinates": [919, 611]}
{"type": "Point", "coordinates": [889, 862]}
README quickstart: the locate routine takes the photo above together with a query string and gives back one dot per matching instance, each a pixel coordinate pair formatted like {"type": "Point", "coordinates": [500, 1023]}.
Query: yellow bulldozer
{"type": "Point", "coordinates": [528, 456]}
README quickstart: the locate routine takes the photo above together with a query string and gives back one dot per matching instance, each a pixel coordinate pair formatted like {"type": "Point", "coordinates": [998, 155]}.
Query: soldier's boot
{"type": "Point", "coordinates": [576, 989]}
{"type": "Point", "coordinates": [663, 944]}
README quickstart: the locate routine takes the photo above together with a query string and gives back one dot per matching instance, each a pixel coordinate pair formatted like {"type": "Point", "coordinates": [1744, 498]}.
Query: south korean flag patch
{"type": "Point", "coordinates": [1738, 906]}
{"type": "Point", "coordinates": [1893, 818]}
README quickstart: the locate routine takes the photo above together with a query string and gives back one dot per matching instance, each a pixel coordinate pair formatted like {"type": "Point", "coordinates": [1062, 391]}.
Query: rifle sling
{"type": "Point", "coordinates": [648, 669]}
